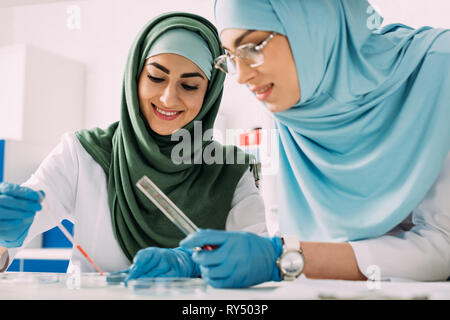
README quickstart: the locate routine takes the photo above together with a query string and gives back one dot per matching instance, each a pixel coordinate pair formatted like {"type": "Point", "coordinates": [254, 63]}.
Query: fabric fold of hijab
{"type": "Point", "coordinates": [130, 149]}
{"type": "Point", "coordinates": [370, 134]}
{"type": "Point", "coordinates": [185, 43]}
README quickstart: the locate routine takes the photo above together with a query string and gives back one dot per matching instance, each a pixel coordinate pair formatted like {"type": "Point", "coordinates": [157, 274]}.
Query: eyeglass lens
{"type": "Point", "coordinates": [248, 55]}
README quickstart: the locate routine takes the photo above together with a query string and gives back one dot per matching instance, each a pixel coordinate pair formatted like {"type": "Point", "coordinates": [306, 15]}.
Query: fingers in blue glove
{"type": "Point", "coordinates": [11, 240]}
{"type": "Point", "coordinates": [213, 257]}
{"type": "Point", "coordinates": [204, 237]}
{"type": "Point", "coordinates": [144, 261]}
{"type": "Point", "coordinates": [13, 224]}
{"type": "Point", "coordinates": [19, 191]}
{"type": "Point", "coordinates": [16, 204]}
{"type": "Point", "coordinates": [242, 259]}
{"type": "Point", "coordinates": [218, 272]}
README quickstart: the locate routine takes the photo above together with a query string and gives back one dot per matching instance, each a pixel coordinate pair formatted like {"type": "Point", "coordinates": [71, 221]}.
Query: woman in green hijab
{"type": "Point", "coordinates": [169, 86]}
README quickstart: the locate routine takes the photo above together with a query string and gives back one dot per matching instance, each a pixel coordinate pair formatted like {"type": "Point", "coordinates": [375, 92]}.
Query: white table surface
{"type": "Point", "coordinates": [301, 289]}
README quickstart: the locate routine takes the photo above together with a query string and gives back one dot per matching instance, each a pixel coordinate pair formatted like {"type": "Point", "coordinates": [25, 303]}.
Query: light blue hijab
{"type": "Point", "coordinates": [371, 131]}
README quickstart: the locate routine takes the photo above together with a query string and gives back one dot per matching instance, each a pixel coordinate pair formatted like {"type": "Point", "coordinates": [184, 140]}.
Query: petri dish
{"type": "Point", "coordinates": [168, 286]}
{"type": "Point", "coordinates": [80, 280]}
{"type": "Point", "coordinates": [92, 280]}
{"type": "Point", "coordinates": [95, 280]}
{"type": "Point", "coordinates": [116, 278]}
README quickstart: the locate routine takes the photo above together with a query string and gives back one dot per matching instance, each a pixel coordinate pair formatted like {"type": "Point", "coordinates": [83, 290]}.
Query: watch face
{"type": "Point", "coordinates": [292, 263]}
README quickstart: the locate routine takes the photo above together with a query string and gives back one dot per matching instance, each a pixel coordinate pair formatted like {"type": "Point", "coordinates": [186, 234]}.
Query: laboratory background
{"type": "Point", "coordinates": [61, 69]}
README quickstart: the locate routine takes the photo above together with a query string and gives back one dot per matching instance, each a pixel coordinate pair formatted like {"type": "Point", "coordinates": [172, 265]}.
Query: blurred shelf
{"type": "Point", "coordinates": [44, 254]}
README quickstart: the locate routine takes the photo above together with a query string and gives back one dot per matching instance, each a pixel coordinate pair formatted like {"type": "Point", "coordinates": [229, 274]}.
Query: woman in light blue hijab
{"type": "Point", "coordinates": [363, 117]}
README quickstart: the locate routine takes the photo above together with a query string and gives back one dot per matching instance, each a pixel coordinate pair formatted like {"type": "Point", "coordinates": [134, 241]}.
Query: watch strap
{"type": "Point", "coordinates": [291, 243]}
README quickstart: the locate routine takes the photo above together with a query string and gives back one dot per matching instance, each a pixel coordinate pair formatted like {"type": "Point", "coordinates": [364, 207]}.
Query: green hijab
{"type": "Point", "coordinates": [129, 149]}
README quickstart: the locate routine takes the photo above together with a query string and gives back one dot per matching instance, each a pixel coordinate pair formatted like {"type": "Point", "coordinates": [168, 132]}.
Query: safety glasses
{"type": "Point", "coordinates": [250, 54]}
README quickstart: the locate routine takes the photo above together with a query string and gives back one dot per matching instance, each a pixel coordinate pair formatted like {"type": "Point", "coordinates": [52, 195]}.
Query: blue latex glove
{"type": "Point", "coordinates": [243, 259]}
{"type": "Point", "coordinates": [18, 205]}
{"type": "Point", "coordinates": [160, 262]}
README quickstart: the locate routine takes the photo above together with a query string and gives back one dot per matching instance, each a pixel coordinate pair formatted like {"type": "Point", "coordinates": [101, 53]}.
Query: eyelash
{"type": "Point", "coordinates": [185, 86]}
{"type": "Point", "coordinates": [154, 79]}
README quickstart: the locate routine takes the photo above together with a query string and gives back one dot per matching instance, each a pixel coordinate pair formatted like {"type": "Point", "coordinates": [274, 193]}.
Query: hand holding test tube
{"type": "Point", "coordinates": [170, 210]}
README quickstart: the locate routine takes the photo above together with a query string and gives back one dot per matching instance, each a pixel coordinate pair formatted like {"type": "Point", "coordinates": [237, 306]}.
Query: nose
{"type": "Point", "coordinates": [244, 73]}
{"type": "Point", "coordinates": [169, 96]}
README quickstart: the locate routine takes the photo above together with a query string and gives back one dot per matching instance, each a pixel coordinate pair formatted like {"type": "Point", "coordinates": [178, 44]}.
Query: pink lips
{"type": "Point", "coordinates": [165, 116]}
{"type": "Point", "coordinates": [265, 95]}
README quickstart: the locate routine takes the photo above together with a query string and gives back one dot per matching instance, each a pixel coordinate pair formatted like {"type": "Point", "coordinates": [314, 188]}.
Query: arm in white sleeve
{"type": "Point", "coordinates": [57, 177]}
{"type": "Point", "coordinates": [4, 257]}
{"type": "Point", "coordinates": [423, 252]}
{"type": "Point", "coordinates": [247, 207]}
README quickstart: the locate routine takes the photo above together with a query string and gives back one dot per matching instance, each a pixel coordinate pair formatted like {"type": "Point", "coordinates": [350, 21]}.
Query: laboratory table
{"type": "Point", "coordinates": [301, 289]}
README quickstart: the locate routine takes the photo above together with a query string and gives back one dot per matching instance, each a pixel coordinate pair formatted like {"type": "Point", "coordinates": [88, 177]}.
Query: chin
{"type": "Point", "coordinates": [274, 108]}
{"type": "Point", "coordinates": [162, 131]}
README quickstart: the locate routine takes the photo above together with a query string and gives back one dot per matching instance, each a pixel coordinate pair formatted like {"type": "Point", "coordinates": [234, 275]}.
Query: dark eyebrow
{"type": "Point", "coordinates": [192, 74]}
{"type": "Point", "coordinates": [184, 75]}
{"type": "Point", "coordinates": [237, 42]}
{"type": "Point", "coordinates": [160, 67]}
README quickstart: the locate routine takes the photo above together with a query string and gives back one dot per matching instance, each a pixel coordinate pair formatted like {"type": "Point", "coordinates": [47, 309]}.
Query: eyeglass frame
{"type": "Point", "coordinates": [219, 60]}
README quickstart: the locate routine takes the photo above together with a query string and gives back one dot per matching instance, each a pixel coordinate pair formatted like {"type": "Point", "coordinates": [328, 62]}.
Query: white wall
{"type": "Point", "coordinates": [34, 78]}
{"type": "Point", "coordinates": [6, 25]}
{"type": "Point", "coordinates": [415, 13]}
{"type": "Point", "coordinates": [106, 31]}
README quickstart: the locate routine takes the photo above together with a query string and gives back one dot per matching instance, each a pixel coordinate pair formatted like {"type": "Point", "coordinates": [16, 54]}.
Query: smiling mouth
{"type": "Point", "coordinates": [166, 115]}
{"type": "Point", "coordinates": [263, 92]}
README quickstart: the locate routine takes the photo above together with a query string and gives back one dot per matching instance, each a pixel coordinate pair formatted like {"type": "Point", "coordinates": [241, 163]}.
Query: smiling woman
{"type": "Point", "coordinates": [174, 80]}
{"type": "Point", "coordinates": [90, 178]}
{"type": "Point", "coordinates": [171, 98]}
{"type": "Point", "coordinates": [276, 84]}
{"type": "Point", "coordinates": [364, 149]}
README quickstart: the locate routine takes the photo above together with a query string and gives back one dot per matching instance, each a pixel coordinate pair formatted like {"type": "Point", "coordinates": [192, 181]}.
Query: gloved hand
{"type": "Point", "coordinates": [18, 205]}
{"type": "Point", "coordinates": [242, 259]}
{"type": "Point", "coordinates": [160, 262]}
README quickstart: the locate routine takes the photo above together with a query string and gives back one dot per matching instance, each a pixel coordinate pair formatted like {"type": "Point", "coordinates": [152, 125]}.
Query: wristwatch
{"type": "Point", "coordinates": [291, 262]}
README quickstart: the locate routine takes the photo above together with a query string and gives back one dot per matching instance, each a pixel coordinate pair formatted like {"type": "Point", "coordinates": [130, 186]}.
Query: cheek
{"type": "Point", "coordinates": [288, 82]}
{"type": "Point", "coordinates": [145, 90]}
{"type": "Point", "coordinates": [194, 103]}
{"type": "Point", "coordinates": [144, 93]}
{"type": "Point", "coordinates": [292, 75]}
{"type": "Point", "coordinates": [294, 86]}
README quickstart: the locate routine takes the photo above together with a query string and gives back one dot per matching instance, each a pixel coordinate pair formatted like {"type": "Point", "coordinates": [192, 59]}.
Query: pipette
{"type": "Point", "coordinates": [72, 240]}
{"type": "Point", "coordinates": [170, 210]}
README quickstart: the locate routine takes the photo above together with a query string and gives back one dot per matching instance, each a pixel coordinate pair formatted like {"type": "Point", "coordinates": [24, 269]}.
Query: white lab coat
{"type": "Point", "coordinates": [418, 248]}
{"type": "Point", "coordinates": [76, 189]}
